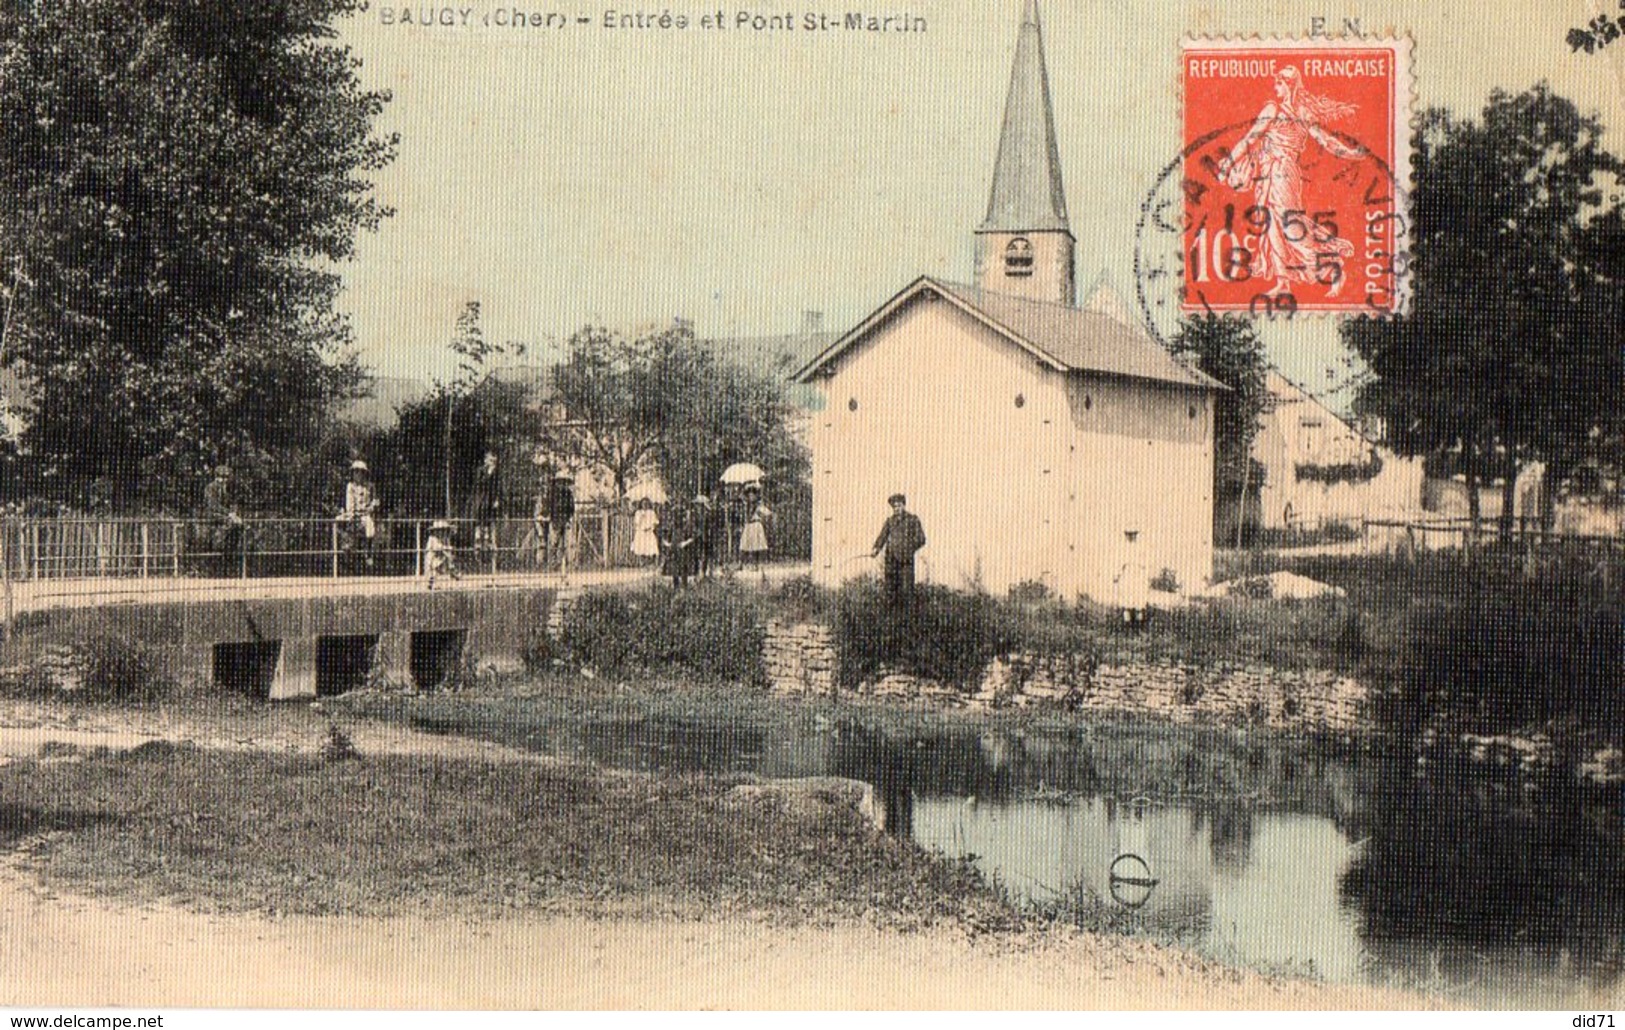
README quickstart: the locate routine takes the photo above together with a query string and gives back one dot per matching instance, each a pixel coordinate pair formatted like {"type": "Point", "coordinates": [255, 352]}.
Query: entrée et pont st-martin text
{"type": "Point", "coordinates": [664, 20]}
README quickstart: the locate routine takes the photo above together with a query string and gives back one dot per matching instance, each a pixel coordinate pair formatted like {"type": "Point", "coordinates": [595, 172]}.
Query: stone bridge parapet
{"type": "Point", "coordinates": [293, 647]}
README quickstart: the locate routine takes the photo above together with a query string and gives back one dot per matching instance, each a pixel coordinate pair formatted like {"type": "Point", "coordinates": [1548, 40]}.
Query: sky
{"type": "Point", "coordinates": [739, 177]}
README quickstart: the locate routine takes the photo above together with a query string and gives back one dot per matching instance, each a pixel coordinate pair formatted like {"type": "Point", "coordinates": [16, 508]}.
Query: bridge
{"type": "Point", "coordinates": [267, 633]}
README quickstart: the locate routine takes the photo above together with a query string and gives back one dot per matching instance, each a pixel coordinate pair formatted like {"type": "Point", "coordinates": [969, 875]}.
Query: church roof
{"type": "Point", "coordinates": [1104, 299]}
{"type": "Point", "coordinates": [1027, 193]}
{"type": "Point", "coordinates": [1065, 338]}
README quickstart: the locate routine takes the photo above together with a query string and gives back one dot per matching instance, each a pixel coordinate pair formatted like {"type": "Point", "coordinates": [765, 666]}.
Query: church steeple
{"type": "Point", "coordinates": [1025, 245]}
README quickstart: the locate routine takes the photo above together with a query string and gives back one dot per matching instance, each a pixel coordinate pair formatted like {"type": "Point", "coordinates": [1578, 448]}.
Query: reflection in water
{"type": "Point", "coordinates": [1345, 865]}
{"type": "Point", "coordinates": [1231, 839]}
{"type": "Point", "coordinates": [1468, 865]}
{"type": "Point", "coordinates": [1281, 908]}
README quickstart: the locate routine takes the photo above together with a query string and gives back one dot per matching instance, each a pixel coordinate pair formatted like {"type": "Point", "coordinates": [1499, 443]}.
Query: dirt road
{"type": "Point", "coordinates": [83, 952]}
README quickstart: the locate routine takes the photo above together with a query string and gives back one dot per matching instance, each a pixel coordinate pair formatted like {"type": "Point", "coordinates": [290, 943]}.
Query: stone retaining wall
{"type": "Point", "coordinates": [801, 659]}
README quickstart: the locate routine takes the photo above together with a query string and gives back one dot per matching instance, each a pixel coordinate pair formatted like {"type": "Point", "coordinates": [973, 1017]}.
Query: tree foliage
{"type": "Point", "coordinates": [666, 400]}
{"type": "Point", "coordinates": [1512, 350]}
{"type": "Point", "coordinates": [426, 464]}
{"type": "Point", "coordinates": [1228, 348]}
{"type": "Point", "coordinates": [612, 408]}
{"type": "Point", "coordinates": [179, 180]}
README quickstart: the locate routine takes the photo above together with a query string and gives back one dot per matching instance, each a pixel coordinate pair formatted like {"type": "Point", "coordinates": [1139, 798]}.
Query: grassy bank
{"type": "Point", "coordinates": [1502, 641]}
{"type": "Point", "coordinates": [1498, 641]}
{"type": "Point", "coordinates": [392, 834]}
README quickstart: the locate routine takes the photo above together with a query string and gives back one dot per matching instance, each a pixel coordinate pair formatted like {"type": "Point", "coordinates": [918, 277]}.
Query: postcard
{"type": "Point", "coordinates": [584, 504]}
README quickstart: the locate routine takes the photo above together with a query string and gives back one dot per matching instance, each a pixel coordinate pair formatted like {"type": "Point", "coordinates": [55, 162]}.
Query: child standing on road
{"type": "Point", "coordinates": [645, 523]}
{"type": "Point", "coordinates": [438, 558]}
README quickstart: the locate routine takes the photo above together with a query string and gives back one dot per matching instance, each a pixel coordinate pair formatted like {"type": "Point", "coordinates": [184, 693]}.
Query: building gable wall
{"type": "Point", "coordinates": [928, 406]}
{"type": "Point", "coordinates": [1302, 431]}
{"type": "Point", "coordinates": [1143, 461]}
{"type": "Point", "coordinates": [1018, 472]}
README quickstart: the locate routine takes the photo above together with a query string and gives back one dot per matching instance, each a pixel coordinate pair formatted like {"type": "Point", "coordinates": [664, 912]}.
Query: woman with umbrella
{"type": "Point", "coordinates": [738, 481]}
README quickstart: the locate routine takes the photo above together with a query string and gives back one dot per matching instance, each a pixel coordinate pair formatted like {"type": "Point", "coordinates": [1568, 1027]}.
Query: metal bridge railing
{"type": "Point", "coordinates": [56, 548]}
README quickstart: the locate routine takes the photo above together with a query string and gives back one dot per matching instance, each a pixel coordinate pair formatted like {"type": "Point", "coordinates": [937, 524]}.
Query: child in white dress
{"type": "Point", "coordinates": [438, 557]}
{"type": "Point", "coordinates": [645, 522]}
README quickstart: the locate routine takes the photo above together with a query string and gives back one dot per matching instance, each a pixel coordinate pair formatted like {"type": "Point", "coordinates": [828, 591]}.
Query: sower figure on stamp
{"type": "Point", "coordinates": [899, 539]}
{"type": "Point", "coordinates": [225, 524]}
{"type": "Point", "coordinates": [1291, 248]}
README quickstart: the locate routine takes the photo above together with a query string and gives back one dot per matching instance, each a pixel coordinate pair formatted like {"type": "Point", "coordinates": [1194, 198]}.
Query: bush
{"type": "Point", "coordinates": [1031, 591]}
{"type": "Point", "coordinates": [1166, 581]}
{"type": "Point", "coordinates": [713, 631]}
{"type": "Point", "coordinates": [1501, 651]}
{"type": "Point", "coordinates": [119, 669]}
{"type": "Point", "coordinates": [98, 668]}
{"type": "Point", "coordinates": [943, 635]}
{"type": "Point", "coordinates": [799, 599]}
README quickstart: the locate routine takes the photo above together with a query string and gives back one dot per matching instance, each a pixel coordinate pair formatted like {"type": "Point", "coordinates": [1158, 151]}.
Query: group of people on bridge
{"type": "Point", "coordinates": [687, 538]}
{"type": "Point", "coordinates": [357, 522]}
{"type": "Point", "coordinates": [697, 538]}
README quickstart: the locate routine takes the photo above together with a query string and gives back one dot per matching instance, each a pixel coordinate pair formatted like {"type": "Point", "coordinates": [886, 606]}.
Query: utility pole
{"type": "Point", "coordinates": [5, 535]}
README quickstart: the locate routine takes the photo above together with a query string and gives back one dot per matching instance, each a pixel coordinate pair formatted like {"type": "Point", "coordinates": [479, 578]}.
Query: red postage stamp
{"type": "Point", "coordinates": [1296, 172]}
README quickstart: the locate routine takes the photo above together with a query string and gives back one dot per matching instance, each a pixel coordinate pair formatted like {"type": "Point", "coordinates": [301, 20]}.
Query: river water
{"type": "Point", "coordinates": [1334, 861]}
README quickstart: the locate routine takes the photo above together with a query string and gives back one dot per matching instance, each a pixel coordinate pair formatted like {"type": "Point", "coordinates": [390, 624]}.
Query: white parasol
{"type": "Point", "coordinates": [741, 473]}
{"type": "Point", "coordinates": [647, 490]}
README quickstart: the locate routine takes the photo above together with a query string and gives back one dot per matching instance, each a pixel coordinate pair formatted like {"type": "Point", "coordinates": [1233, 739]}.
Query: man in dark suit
{"type": "Point", "coordinates": [900, 537]}
{"type": "Point", "coordinates": [561, 508]}
{"type": "Point", "coordinates": [484, 508]}
{"type": "Point", "coordinates": [225, 525]}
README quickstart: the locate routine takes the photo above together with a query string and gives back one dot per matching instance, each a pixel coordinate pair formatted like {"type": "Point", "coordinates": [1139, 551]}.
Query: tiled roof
{"type": "Point", "coordinates": [1063, 337]}
{"type": "Point", "coordinates": [1081, 341]}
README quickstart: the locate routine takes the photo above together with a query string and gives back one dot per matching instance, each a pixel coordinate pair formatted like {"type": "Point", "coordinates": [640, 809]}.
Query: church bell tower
{"type": "Point", "coordinates": [1025, 247]}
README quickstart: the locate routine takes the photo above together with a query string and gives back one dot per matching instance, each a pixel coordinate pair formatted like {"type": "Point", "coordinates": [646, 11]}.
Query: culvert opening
{"type": "Point", "coordinates": [343, 663]}
{"type": "Point", "coordinates": [247, 667]}
{"type": "Point", "coordinates": [436, 655]}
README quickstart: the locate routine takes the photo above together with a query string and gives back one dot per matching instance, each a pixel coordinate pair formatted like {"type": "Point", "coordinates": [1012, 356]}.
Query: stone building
{"type": "Point", "coordinates": [1319, 469]}
{"type": "Point", "coordinates": [1030, 436]}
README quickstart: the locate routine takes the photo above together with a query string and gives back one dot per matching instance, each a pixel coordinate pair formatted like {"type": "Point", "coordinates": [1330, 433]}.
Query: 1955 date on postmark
{"type": "Point", "coordinates": [1295, 171]}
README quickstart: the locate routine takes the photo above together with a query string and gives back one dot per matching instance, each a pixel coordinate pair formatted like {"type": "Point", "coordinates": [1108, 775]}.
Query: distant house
{"type": "Point", "coordinates": [778, 355]}
{"type": "Point", "coordinates": [1319, 469]}
{"type": "Point", "coordinates": [1031, 437]}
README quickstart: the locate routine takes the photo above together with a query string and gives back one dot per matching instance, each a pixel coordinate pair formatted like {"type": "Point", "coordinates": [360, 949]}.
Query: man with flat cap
{"type": "Point", "coordinates": [900, 537]}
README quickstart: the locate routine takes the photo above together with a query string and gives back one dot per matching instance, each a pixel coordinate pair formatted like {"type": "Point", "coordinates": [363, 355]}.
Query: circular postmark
{"type": "Point", "coordinates": [1214, 236]}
